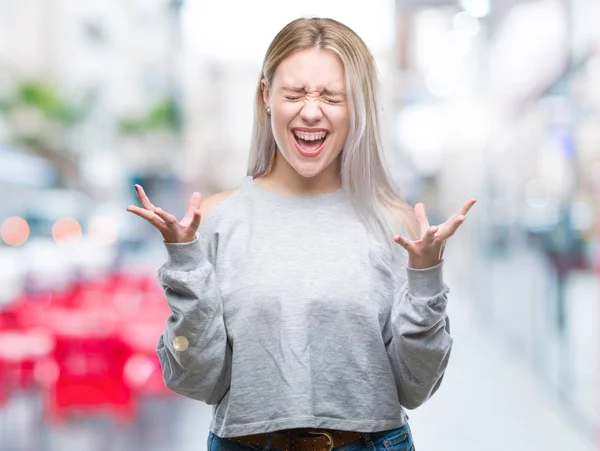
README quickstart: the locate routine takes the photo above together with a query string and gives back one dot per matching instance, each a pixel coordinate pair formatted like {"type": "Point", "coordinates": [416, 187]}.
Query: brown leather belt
{"type": "Point", "coordinates": [302, 439]}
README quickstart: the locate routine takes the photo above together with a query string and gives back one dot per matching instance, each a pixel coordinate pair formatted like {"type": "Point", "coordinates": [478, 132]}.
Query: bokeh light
{"type": "Point", "coordinates": [14, 231]}
{"type": "Point", "coordinates": [66, 230]}
{"type": "Point", "coordinates": [103, 230]}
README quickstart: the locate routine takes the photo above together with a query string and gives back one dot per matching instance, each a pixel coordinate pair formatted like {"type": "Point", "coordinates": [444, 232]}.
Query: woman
{"type": "Point", "coordinates": [308, 303]}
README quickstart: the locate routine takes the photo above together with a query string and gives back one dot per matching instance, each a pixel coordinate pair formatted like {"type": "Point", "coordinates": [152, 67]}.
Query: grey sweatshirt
{"type": "Point", "coordinates": [286, 314]}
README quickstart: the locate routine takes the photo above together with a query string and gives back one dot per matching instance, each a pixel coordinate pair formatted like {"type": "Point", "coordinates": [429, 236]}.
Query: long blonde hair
{"type": "Point", "coordinates": [362, 170]}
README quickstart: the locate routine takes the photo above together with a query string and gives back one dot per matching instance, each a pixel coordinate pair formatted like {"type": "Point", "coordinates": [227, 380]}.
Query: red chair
{"type": "Point", "coordinates": [99, 354]}
{"type": "Point", "coordinates": [90, 361]}
{"type": "Point", "coordinates": [20, 351]}
{"type": "Point", "coordinates": [142, 371]}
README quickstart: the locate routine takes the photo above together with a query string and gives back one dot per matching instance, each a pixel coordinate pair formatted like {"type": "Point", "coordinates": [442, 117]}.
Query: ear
{"type": "Point", "coordinates": [265, 91]}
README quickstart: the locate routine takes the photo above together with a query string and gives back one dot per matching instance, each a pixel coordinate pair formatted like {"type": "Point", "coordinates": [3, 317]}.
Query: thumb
{"type": "Point", "coordinates": [402, 242]}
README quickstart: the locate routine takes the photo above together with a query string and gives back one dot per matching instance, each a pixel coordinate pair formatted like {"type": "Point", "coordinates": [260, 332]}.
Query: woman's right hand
{"type": "Point", "coordinates": [173, 231]}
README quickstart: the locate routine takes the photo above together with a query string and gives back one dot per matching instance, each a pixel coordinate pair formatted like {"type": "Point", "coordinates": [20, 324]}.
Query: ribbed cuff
{"type": "Point", "coordinates": [426, 282]}
{"type": "Point", "coordinates": [183, 256]}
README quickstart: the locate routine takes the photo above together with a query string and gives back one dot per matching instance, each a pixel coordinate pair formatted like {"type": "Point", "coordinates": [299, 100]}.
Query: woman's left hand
{"type": "Point", "coordinates": [428, 251]}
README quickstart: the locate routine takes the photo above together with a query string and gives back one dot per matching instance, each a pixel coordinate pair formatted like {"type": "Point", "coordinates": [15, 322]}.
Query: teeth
{"type": "Point", "coordinates": [310, 136]}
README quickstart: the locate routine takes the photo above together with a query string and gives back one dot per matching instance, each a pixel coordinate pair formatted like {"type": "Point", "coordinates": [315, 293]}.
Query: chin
{"type": "Point", "coordinates": [307, 171]}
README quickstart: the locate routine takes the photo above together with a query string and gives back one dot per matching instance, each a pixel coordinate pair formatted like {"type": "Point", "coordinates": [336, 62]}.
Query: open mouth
{"type": "Point", "coordinates": [310, 143]}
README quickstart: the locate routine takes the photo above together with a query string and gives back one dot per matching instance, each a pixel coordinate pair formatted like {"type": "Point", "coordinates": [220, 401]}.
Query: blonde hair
{"type": "Point", "coordinates": [362, 170]}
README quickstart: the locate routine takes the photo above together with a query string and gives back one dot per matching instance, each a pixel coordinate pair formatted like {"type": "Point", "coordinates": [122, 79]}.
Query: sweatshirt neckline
{"type": "Point", "coordinates": [315, 200]}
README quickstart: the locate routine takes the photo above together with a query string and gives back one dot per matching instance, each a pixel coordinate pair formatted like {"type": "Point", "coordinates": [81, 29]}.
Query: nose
{"type": "Point", "coordinates": [311, 111]}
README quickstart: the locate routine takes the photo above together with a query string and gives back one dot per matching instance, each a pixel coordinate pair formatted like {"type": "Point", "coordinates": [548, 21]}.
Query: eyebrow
{"type": "Point", "coordinates": [334, 93]}
{"type": "Point", "coordinates": [326, 91]}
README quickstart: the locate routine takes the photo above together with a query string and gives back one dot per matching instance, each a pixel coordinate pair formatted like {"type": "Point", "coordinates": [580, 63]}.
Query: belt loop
{"type": "Point", "coordinates": [268, 441]}
{"type": "Point", "coordinates": [367, 437]}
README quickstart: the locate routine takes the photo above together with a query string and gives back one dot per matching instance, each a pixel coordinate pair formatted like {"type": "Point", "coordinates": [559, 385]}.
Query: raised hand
{"type": "Point", "coordinates": [429, 249]}
{"type": "Point", "coordinates": [173, 231]}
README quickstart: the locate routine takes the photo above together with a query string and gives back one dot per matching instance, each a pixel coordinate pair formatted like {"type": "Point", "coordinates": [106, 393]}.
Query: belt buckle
{"type": "Point", "coordinates": [326, 434]}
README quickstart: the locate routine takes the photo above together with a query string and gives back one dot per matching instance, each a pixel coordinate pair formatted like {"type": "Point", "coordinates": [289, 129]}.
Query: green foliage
{"type": "Point", "coordinates": [47, 100]}
{"type": "Point", "coordinates": [162, 116]}
{"type": "Point", "coordinates": [44, 98]}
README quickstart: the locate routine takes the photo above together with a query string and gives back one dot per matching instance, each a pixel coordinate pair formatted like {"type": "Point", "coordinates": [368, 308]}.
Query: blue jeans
{"type": "Point", "coordinates": [399, 439]}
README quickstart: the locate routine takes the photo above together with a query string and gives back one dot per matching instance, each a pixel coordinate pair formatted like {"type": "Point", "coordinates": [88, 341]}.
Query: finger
{"type": "Point", "coordinates": [466, 207]}
{"type": "Point", "coordinates": [457, 223]}
{"type": "Point", "coordinates": [143, 198]}
{"type": "Point", "coordinates": [168, 218]}
{"type": "Point", "coordinates": [149, 216]}
{"type": "Point", "coordinates": [406, 244]}
{"type": "Point", "coordinates": [462, 211]}
{"type": "Point", "coordinates": [422, 218]}
{"type": "Point", "coordinates": [193, 228]}
{"type": "Point", "coordinates": [429, 237]}
{"type": "Point", "coordinates": [450, 229]}
{"type": "Point", "coordinates": [193, 206]}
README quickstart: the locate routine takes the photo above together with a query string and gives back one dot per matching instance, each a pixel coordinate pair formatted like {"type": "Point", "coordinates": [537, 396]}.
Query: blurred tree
{"type": "Point", "coordinates": [48, 101]}
{"type": "Point", "coordinates": [40, 118]}
{"type": "Point", "coordinates": [162, 116]}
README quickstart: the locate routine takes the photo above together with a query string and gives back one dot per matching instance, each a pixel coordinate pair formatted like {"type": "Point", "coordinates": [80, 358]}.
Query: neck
{"type": "Point", "coordinates": [283, 179]}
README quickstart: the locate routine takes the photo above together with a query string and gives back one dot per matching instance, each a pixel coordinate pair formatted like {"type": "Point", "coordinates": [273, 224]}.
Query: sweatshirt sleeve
{"type": "Point", "coordinates": [194, 351]}
{"type": "Point", "coordinates": [421, 342]}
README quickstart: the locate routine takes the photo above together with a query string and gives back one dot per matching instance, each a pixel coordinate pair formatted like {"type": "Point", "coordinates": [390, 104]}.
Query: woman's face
{"type": "Point", "coordinates": [309, 112]}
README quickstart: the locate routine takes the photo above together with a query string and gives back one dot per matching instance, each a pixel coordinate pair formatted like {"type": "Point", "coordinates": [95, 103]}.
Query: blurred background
{"type": "Point", "coordinates": [496, 99]}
